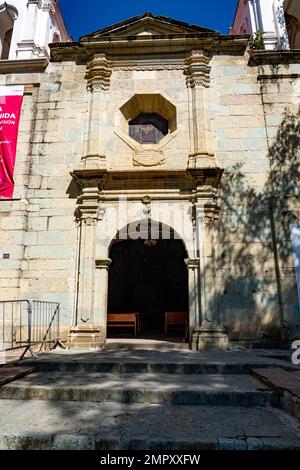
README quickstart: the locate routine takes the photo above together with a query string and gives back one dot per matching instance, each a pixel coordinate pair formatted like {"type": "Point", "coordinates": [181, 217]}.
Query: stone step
{"type": "Point", "coordinates": [180, 389]}
{"type": "Point", "coordinates": [9, 374]}
{"type": "Point", "coordinates": [146, 344]}
{"type": "Point", "coordinates": [115, 426]}
{"type": "Point", "coordinates": [154, 361]}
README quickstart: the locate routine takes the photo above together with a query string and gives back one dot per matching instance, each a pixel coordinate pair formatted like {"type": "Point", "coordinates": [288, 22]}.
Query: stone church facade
{"type": "Point", "coordinates": [172, 136]}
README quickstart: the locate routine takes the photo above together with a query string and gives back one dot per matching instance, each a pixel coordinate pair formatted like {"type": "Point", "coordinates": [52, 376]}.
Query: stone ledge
{"type": "Point", "coordinates": [23, 66]}
{"type": "Point", "coordinates": [262, 57]}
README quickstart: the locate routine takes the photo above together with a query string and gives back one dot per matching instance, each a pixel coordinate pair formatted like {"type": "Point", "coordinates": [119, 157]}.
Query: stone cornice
{"type": "Point", "coordinates": [206, 176]}
{"type": "Point", "coordinates": [210, 43]}
{"type": "Point", "coordinates": [23, 66]}
{"type": "Point", "coordinates": [260, 57]}
{"type": "Point", "coordinates": [190, 179]}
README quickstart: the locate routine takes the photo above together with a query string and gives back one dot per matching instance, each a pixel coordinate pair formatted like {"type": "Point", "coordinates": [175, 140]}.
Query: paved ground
{"type": "Point", "coordinates": [166, 356]}
{"type": "Point", "coordinates": [147, 399]}
{"type": "Point", "coordinates": [189, 389]}
{"type": "Point", "coordinates": [69, 425]}
{"type": "Point", "coordinates": [9, 374]}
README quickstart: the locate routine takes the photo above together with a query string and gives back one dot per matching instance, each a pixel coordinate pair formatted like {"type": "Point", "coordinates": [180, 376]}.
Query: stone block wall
{"type": "Point", "coordinates": [252, 131]}
{"type": "Point", "coordinates": [256, 123]}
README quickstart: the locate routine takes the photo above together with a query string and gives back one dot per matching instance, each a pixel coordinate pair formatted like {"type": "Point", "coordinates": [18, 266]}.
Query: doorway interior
{"type": "Point", "coordinates": [149, 277]}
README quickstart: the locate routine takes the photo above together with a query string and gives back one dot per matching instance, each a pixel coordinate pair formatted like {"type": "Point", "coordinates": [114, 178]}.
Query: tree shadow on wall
{"type": "Point", "coordinates": [254, 265]}
{"type": "Point", "coordinates": [252, 220]}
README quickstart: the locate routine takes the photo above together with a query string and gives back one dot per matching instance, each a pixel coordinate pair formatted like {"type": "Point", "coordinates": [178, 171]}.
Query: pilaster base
{"type": "Point", "coordinates": [202, 160]}
{"type": "Point", "coordinates": [93, 162]}
{"type": "Point", "coordinates": [86, 337]}
{"type": "Point", "coordinates": [210, 339]}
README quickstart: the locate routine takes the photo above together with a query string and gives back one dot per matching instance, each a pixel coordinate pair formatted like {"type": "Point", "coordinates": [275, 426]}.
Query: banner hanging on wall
{"type": "Point", "coordinates": [11, 98]}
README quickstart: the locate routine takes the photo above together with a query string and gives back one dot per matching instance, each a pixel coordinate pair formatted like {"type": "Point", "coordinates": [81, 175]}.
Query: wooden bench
{"type": "Point", "coordinates": [125, 320]}
{"type": "Point", "coordinates": [176, 319]}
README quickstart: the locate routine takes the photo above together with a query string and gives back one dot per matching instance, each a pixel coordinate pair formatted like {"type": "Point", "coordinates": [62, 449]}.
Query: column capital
{"type": "Point", "coordinates": [192, 263]}
{"type": "Point", "coordinates": [103, 263]}
{"type": "Point", "coordinates": [98, 73]}
{"type": "Point", "coordinates": [206, 204]}
{"type": "Point", "coordinates": [88, 204]}
{"type": "Point", "coordinates": [197, 70]}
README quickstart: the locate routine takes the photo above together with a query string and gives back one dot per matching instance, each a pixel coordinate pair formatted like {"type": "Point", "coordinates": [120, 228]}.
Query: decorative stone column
{"type": "Point", "coordinates": [194, 298]}
{"type": "Point", "coordinates": [197, 73]}
{"type": "Point", "coordinates": [101, 294]}
{"type": "Point", "coordinates": [88, 331]}
{"type": "Point", "coordinates": [90, 328]}
{"type": "Point", "coordinates": [98, 81]}
{"type": "Point", "coordinates": [211, 335]}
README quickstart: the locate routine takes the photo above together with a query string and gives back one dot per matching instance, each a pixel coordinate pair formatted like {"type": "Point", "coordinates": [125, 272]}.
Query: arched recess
{"type": "Point", "coordinates": [292, 20]}
{"type": "Point", "coordinates": [8, 15]}
{"type": "Point", "coordinates": [148, 274]}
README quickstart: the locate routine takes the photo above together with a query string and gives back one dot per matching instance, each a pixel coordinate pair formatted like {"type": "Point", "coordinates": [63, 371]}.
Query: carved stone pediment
{"type": "Point", "coordinates": [147, 24]}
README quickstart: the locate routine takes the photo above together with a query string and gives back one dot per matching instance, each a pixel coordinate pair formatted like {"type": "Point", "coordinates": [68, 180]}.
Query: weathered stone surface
{"type": "Point", "coordinates": [111, 426]}
{"type": "Point", "coordinates": [159, 361]}
{"type": "Point", "coordinates": [9, 374]}
{"type": "Point", "coordinates": [247, 123]}
{"type": "Point", "coordinates": [179, 389]}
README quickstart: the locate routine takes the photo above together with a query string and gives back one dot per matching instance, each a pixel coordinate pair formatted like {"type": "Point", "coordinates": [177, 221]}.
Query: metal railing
{"type": "Point", "coordinates": [29, 325]}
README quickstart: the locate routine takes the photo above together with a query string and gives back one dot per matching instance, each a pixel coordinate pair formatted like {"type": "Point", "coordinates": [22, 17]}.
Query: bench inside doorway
{"type": "Point", "coordinates": [176, 319]}
{"type": "Point", "coordinates": [125, 320]}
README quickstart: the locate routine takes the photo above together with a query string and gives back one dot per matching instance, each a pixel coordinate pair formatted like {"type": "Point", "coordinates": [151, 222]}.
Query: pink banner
{"type": "Point", "coordinates": [11, 98]}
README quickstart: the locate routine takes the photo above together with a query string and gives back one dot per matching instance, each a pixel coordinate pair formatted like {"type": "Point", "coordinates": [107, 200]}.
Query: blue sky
{"type": "Point", "coordinates": [88, 16]}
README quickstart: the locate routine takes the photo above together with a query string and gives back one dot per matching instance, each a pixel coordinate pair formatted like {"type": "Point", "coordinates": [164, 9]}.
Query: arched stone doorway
{"type": "Point", "coordinates": [148, 275]}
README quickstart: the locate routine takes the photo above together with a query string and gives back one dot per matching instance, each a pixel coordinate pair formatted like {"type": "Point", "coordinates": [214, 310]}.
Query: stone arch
{"type": "Point", "coordinates": [150, 230]}
{"type": "Point", "coordinates": [111, 224]}
{"type": "Point", "coordinates": [148, 274]}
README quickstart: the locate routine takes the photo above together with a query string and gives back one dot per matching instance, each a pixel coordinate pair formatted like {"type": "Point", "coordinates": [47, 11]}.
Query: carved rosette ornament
{"type": "Point", "coordinates": [146, 212]}
{"type": "Point", "coordinates": [90, 221]}
{"type": "Point", "coordinates": [197, 70]}
{"type": "Point", "coordinates": [98, 73]}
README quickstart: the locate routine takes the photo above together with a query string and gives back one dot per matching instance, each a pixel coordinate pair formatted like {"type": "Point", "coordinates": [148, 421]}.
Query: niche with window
{"type": "Point", "coordinates": [148, 128]}
{"type": "Point", "coordinates": [148, 124]}
{"type": "Point", "coordinates": [149, 118]}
